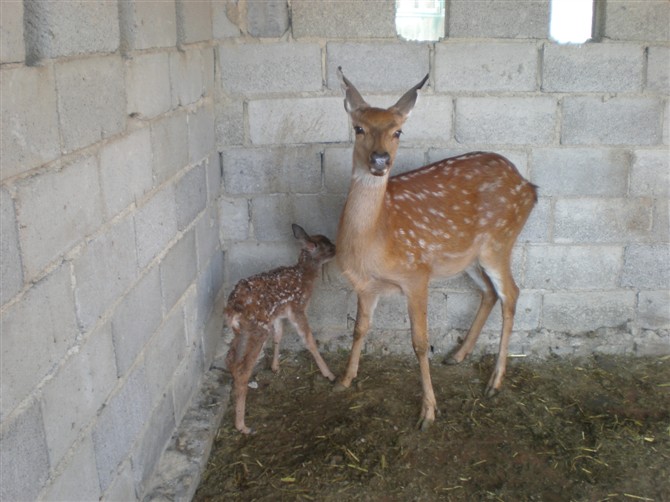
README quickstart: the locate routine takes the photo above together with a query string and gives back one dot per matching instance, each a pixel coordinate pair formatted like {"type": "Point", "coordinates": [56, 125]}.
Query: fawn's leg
{"type": "Point", "coordinates": [278, 328]}
{"type": "Point", "coordinates": [366, 307]}
{"type": "Point", "coordinates": [299, 321]}
{"type": "Point", "coordinates": [242, 372]}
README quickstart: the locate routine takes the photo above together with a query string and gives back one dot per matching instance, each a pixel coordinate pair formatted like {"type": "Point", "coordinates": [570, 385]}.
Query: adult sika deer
{"type": "Point", "coordinates": [258, 305]}
{"type": "Point", "coordinates": [396, 233]}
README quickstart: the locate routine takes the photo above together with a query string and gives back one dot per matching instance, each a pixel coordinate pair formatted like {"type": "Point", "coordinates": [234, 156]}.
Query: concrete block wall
{"type": "Point", "coordinates": [587, 123]}
{"type": "Point", "coordinates": [111, 259]}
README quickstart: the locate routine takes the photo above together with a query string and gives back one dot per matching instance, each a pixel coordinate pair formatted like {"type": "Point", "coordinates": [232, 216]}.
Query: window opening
{"type": "Point", "coordinates": [571, 21]}
{"type": "Point", "coordinates": [420, 20]}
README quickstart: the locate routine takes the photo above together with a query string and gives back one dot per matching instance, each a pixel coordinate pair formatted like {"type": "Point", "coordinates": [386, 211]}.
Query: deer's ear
{"type": "Point", "coordinates": [353, 101]}
{"type": "Point", "coordinates": [408, 100]}
{"type": "Point", "coordinates": [299, 233]}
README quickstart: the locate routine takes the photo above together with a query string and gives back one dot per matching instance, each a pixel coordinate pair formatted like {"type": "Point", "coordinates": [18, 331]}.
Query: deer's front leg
{"type": "Point", "coordinates": [417, 303]}
{"type": "Point", "coordinates": [366, 307]}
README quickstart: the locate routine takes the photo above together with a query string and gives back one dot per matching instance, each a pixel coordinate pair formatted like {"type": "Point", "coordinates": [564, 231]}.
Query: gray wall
{"type": "Point", "coordinates": [587, 123]}
{"type": "Point", "coordinates": [111, 260]}
{"type": "Point", "coordinates": [118, 120]}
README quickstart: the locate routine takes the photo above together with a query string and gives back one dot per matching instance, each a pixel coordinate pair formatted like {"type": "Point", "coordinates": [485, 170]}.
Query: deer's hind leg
{"type": "Point", "coordinates": [500, 274]}
{"type": "Point", "coordinates": [241, 366]}
{"type": "Point", "coordinates": [488, 300]}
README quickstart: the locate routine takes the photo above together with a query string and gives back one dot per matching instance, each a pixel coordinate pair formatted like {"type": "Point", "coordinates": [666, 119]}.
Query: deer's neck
{"type": "Point", "coordinates": [363, 211]}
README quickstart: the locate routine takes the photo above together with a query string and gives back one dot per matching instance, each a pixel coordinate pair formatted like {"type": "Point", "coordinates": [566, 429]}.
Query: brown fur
{"type": "Point", "coordinates": [396, 233]}
{"type": "Point", "coordinates": [258, 305]}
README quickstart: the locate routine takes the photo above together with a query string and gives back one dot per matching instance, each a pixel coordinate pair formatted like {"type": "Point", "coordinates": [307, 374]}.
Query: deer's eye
{"type": "Point", "coordinates": [397, 133]}
{"type": "Point", "coordinates": [358, 130]}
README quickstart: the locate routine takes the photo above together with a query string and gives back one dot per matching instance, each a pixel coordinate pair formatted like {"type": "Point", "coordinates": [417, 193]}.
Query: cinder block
{"type": "Point", "coordinates": [230, 120]}
{"type": "Point", "coordinates": [539, 222]}
{"type": "Point", "coordinates": [12, 48]}
{"type": "Point", "coordinates": [651, 173]}
{"type": "Point", "coordinates": [267, 18]}
{"type": "Point", "coordinates": [367, 65]}
{"type": "Point", "coordinates": [106, 267]}
{"type": "Point", "coordinates": [252, 69]}
{"type": "Point", "coordinates": [290, 121]}
{"type": "Point", "coordinates": [29, 131]}
{"type": "Point", "coordinates": [209, 58]}
{"type": "Point", "coordinates": [155, 225]}
{"type": "Point", "coordinates": [126, 170]}
{"type": "Point", "coordinates": [186, 380]}
{"type": "Point", "coordinates": [178, 269]}
{"type": "Point", "coordinates": [44, 321]}
{"type": "Point", "coordinates": [164, 353]}
{"type": "Point", "coordinates": [75, 394]}
{"type": "Point", "coordinates": [186, 77]}
{"type": "Point", "coordinates": [485, 66]}
{"type": "Point", "coordinates": [579, 312]}
{"type": "Point", "coordinates": [225, 16]}
{"type": "Point", "coordinates": [86, 114]}
{"type": "Point", "coordinates": [429, 124]}
{"type": "Point", "coordinates": [343, 19]}
{"type": "Point", "coordinates": [66, 29]}
{"type": "Point", "coordinates": [658, 69]}
{"type": "Point", "coordinates": [581, 171]}
{"type": "Point", "coordinates": [169, 142]}
{"type": "Point", "coordinates": [337, 164]}
{"type": "Point", "coordinates": [666, 123]}
{"type": "Point", "coordinates": [214, 173]}
{"type": "Point", "coordinates": [292, 169]}
{"type": "Point", "coordinates": [602, 220]}
{"type": "Point", "coordinates": [661, 225]}
{"type": "Point", "coordinates": [24, 461]}
{"type": "Point", "coordinates": [148, 84]}
{"type": "Point", "coordinates": [498, 19]}
{"type": "Point", "coordinates": [207, 235]}
{"type": "Point", "coordinates": [146, 24]}
{"type": "Point", "coordinates": [194, 21]}
{"type": "Point", "coordinates": [136, 319]}
{"type": "Point", "coordinates": [201, 133]}
{"type": "Point", "coordinates": [646, 266]}
{"type": "Point", "coordinates": [191, 195]}
{"type": "Point", "coordinates": [78, 479]}
{"type": "Point", "coordinates": [249, 258]}
{"type": "Point", "coordinates": [122, 485]}
{"type": "Point", "coordinates": [506, 120]}
{"type": "Point", "coordinates": [592, 68]}
{"type": "Point", "coordinates": [56, 210]}
{"type": "Point", "coordinates": [653, 310]}
{"type": "Point", "coordinates": [328, 307]}
{"type": "Point", "coordinates": [208, 285]}
{"type": "Point", "coordinates": [272, 215]}
{"type": "Point", "coordinates": [146, 454]}
{"type": "Point", "coordinates": [615, 121]}
{"type": "Point", "coordinates": [119, 424]}
{"type": "Point", "coordinates": [633, 20]}
{"type": "Point", "coordinates": [573, 267]}
{"type": "Point", "coordinates": [11, 269]}
{"type": "Point", "coordinates": [234, 216]}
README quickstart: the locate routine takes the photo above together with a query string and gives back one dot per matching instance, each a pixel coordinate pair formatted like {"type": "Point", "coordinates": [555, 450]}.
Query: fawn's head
{"type": "Point", "coordinates": [377, 130]}
{"type": "Point", "coordinates": [319, 247]}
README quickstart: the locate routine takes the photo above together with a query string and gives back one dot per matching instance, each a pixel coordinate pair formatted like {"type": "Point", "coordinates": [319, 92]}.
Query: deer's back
{"type": "Point", "coordinates": [264, 297]}
{"type": "Point", "coordinates": [447, 209]}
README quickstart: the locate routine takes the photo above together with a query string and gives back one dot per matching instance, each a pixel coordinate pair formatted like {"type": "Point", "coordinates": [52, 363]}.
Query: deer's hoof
{"type": "Point", "coordinates": [340, 387]}
{"type": "Point", "coordinates": [491, 392]}
{"type": "Point", "coordinates": [424, 424]}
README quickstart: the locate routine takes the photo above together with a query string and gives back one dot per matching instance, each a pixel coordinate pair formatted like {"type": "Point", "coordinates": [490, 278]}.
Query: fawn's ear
{"type": "Point", "coordinates": [300, 234]}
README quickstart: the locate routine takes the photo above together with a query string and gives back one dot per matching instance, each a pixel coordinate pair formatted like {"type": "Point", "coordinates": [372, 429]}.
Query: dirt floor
{"type": "Point", "coordinates": [561, 430]}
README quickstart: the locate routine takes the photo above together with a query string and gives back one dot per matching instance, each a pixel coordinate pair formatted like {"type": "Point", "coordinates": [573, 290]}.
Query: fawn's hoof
{"type": "Point", "coordinates": [424, 424]}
